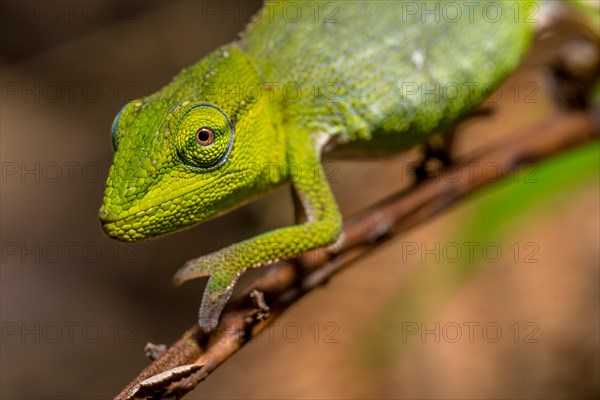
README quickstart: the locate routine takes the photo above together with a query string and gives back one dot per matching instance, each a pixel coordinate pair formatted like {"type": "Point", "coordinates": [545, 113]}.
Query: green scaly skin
{"type": "Point", "coordinates": [352, 80]}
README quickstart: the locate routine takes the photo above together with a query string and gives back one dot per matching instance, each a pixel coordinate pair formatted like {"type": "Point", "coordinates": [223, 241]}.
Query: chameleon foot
{"type": "Point", "coordinates": [432, 156]}
{"type": "Point", "coordinates": [191, 270]}
{"type": "Point", "coordinates": [222, 279]}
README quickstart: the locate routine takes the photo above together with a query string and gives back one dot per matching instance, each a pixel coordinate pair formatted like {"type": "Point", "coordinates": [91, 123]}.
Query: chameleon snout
{"type": "Point", "coordinates": [120, 229]}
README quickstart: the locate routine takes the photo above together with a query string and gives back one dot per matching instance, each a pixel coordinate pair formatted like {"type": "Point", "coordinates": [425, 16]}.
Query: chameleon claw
{"type": "Point", "coordinates": [211, 308]}
{"type": "Point", "coordinates": [192, 269]}
{"type": "Point", "coordinates": [218, 289]}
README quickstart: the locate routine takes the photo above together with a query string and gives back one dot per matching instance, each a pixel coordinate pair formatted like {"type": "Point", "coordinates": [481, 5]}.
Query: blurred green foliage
{"type": "Point", "coordinates": [495, 214]}
{"type": "Point", "coordinates": [527, 194]}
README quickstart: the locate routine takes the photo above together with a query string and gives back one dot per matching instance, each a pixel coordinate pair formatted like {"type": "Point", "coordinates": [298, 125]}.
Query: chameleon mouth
{"type": "Point", "coordinates": [130, 228]}
{"type": "Point", "coordinates": [105, 219]}
{"type": "Point", "coordinates": [123, 228]}
{"type": "Point", "coordinates": [143, 224]}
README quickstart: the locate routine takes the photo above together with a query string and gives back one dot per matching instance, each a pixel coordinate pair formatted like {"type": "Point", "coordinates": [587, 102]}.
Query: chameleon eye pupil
{"type": "Point", "coordinates": [205, 136]}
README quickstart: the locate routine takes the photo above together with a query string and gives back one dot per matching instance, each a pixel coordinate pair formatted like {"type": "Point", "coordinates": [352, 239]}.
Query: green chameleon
{"type": "Point", "coordinates": [305, 79]}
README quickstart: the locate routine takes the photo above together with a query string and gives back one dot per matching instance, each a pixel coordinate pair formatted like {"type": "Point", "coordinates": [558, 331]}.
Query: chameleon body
{"type": "Point", "coordinates": [345, 78]}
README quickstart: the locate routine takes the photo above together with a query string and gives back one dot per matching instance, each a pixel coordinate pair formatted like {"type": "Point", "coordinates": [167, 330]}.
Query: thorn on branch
{"type": "Point", "coordinates": [153, 351]}
{"type": "Point", "coordinates": [261, 312]}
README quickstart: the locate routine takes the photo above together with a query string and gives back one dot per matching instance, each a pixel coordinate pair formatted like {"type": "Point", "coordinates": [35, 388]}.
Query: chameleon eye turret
{"type": "Point", "coordinates": [115, 128]}
{"type": "Point", "coordinates": [124, 116]}
{"type": "Point", "coordinates": [204, 136]}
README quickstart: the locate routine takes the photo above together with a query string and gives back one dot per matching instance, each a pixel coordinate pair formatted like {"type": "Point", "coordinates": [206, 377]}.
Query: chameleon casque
{"type": "Point", "coordinates": [359, 78]}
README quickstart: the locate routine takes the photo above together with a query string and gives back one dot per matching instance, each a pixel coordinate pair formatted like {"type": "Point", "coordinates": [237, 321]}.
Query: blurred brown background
{"type": "Point", "coordinates": [405, 322]}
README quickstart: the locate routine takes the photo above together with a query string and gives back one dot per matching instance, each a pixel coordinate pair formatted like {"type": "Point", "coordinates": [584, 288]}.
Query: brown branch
{"type": "Point", "coordinates": [195, 355]}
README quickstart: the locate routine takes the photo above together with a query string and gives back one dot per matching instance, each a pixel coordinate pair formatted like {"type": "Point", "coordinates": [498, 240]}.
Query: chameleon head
{"type": "Point", "coordinates": [192, 150]}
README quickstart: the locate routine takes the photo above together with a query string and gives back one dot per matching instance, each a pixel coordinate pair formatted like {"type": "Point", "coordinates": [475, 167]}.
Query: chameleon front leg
{"type": "Point", "coordinates": [322, 227]}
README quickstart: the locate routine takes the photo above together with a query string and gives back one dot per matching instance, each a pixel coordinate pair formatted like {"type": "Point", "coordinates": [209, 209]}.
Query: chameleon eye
{"type": "Point", "coordinates": [129, 110]}
{"type": "Point", "coordinates": [115, 128]}
{"type": "Point", "coordinates": [207, 146]}
{"type": "Point", "coordinates": [205, 136]}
